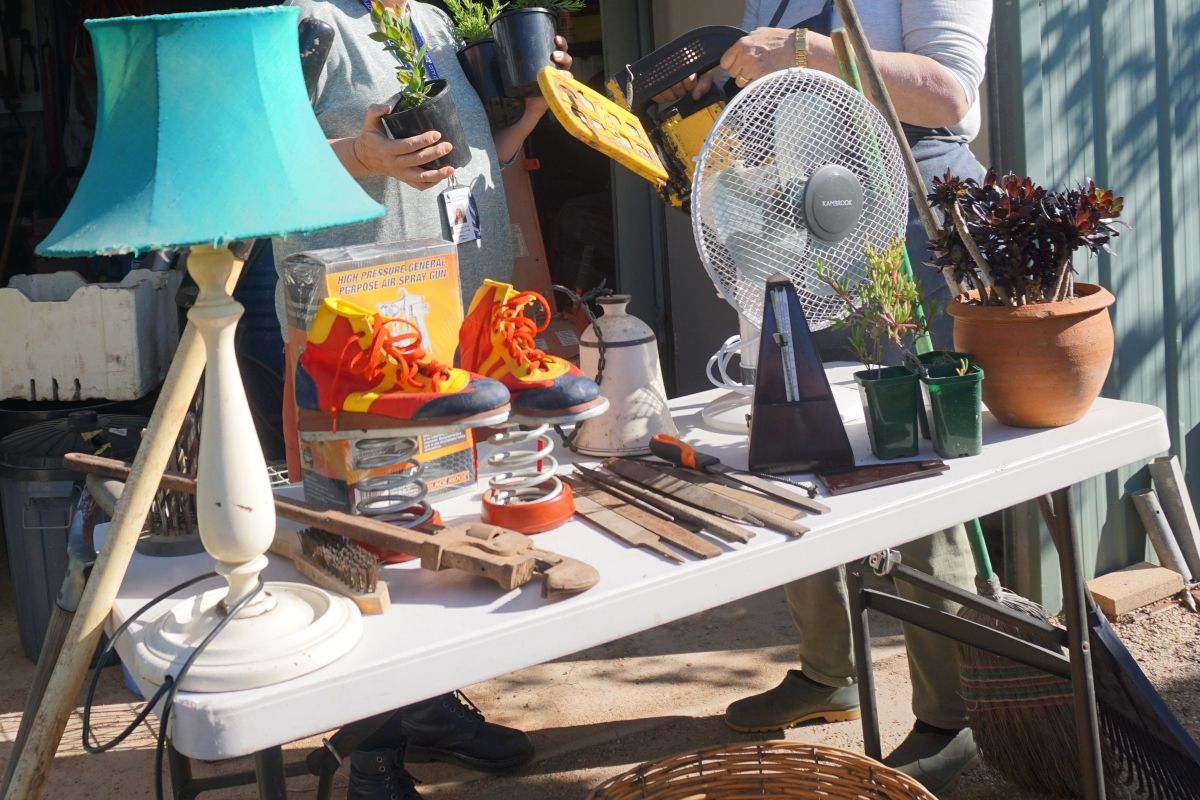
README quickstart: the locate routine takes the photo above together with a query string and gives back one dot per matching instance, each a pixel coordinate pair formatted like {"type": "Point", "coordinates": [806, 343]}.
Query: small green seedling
{"type": "Point", "coordinates": [881, 311]}
{"type": "Point", "coordinates": [473, 19]}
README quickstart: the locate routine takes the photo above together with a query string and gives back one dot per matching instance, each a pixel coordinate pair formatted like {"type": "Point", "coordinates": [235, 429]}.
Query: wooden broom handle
{"type": "Point", "coordinates": [879, 92]}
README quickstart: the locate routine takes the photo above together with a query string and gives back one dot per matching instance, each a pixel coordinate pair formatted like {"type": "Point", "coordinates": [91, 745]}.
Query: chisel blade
{"type": "Point", "coordinates": [627, 531]}
{"type": "Point", "coordinates": [665, 529]}
{"type": "Point", "coordinates": [709, 522]}
{"type": "Point", "coordinates": [647, 474]}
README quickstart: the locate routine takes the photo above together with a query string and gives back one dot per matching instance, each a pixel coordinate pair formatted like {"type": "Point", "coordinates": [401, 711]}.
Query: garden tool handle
{"type": "Point", "coordinates": [679, 453]}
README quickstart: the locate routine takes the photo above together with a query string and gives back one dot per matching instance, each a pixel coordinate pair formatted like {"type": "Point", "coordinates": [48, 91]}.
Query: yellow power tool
{"type": "Point", "coordinates": [659, 144]}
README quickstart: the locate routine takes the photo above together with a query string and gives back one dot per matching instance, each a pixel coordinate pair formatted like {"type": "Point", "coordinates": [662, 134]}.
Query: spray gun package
{"type": "Point", "coordinates": [415, 281]}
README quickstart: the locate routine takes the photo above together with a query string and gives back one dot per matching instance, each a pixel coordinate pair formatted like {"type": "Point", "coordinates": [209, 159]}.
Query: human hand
{"type": "Point", "coordinates": [697, 85]}
{"type": "Point", "coordinates": [535, 105]}
{"type": "Point", "coordinates": [401, 159]}
{"type": "Point", "coordinates": [760, 52]}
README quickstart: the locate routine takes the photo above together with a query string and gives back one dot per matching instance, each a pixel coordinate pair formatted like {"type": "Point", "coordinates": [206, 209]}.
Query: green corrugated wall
{"type": "Point", "coordinates": [1111, 90]}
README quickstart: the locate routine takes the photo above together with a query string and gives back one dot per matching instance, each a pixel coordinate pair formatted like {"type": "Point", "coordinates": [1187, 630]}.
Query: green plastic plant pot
{"type": "Point", "coordinates": [928, 360]}
{"type": "Point", "coordinates": [891, 399]}
{"type": "Point", "coordinates": [955, 403]}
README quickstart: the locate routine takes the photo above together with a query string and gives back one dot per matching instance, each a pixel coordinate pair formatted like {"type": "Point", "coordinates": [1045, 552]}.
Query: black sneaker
{"type": "Point", "coordinates": [380, 775]}
{"type": "Point", "coordinates": [450, 728]}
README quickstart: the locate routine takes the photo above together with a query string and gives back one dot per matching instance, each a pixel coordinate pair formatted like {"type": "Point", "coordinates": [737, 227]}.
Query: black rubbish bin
{"type": "Point", "coordinates": [38, 496]}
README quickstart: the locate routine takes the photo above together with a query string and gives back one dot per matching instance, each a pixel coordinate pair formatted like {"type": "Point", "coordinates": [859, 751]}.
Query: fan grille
{"type": "Point", "coordinates": [747, 213]}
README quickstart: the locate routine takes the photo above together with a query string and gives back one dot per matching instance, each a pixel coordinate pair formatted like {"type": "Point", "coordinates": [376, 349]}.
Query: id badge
{"type": "Point", "coordinates": [460, 215]}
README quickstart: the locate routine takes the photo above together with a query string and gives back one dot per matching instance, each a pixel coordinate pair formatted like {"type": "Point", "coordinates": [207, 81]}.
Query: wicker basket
{"type": "Point", "coordinates": [759, 770]}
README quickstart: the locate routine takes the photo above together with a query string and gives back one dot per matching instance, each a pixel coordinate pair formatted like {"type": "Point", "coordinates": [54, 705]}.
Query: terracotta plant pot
{"type": "Point", "coordinates": [1045, 363]}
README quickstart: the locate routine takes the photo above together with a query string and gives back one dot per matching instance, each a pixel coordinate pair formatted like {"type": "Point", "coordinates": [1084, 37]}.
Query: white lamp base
{"type": "Point", "coordinates": [304, 631]}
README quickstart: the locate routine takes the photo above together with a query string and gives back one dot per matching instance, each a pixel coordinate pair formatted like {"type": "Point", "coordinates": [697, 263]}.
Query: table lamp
{"type": "Point", "coordinates": [205, 136]}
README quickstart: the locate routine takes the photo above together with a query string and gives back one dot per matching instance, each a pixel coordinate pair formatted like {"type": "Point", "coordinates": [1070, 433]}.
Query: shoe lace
{"type": "Point", "coordinates": [464, 704]}
{"type": "Point", "coordinates": [387, 346]}
{"type": "Point", "coordinates": [399, 782]}
{"type": "Point", "coordinates": [519, 331]}
{"type": "Point", "coordinates": [402, 785]}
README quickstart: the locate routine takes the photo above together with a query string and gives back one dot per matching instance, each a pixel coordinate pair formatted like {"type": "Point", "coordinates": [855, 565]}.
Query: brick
{"type": "Point", "coordinates": [1131, 588]}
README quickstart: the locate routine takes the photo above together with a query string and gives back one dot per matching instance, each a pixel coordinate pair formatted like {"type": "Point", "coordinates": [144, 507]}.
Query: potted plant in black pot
{"type": "Point", "coordinates": [424, 103]}
{"type": "Point", "coordinates": [525, 39]}
{"type": "Point", "coordinates": [881, 314]}
{"type": "Point", "coordinates": [479, 60]}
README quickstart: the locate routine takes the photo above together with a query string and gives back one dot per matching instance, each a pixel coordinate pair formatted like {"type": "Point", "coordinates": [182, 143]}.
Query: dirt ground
{"type": "Point", "coordinates": [597, 713]}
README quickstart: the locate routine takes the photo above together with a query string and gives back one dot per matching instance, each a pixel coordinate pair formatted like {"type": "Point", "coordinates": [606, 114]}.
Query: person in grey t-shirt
{"type": "Point", "coordinates": [352, 94]}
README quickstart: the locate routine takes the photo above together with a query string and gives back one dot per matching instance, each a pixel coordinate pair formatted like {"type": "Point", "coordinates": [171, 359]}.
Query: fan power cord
{"type": "Point", "coordinates": [717, 369]}
{"type": "Point", "coordinates": [170, 684]}
{"type": "Point", "coordinates": [718, 375]}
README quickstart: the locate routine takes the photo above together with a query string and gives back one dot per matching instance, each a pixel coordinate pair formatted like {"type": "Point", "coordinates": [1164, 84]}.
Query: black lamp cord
{"type": "Point", "coordinates": [584, 301]}
{"type": "Point", "coordinates": [170, 685]}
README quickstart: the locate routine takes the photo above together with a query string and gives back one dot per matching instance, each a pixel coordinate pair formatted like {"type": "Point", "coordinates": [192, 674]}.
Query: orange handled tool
{"type": "Point", "coordinates": [681, 454]}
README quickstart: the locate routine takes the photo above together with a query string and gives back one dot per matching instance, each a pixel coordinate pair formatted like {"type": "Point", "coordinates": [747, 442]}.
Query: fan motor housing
{"type": "Point", "coordinates": [833, 202]}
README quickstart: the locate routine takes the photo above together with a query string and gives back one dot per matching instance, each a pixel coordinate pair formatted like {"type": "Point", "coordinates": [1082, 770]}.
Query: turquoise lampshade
{"type": "Point", "coordinates": [204, 136]}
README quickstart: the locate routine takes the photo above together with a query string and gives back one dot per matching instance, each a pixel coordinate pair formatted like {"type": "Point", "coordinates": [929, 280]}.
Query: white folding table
{"type": "Point", "coordinates": [447, 630]}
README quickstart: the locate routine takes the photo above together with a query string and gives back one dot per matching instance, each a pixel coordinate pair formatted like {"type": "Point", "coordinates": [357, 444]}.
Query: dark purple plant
{"type": "Point", "coordinates": [1023, 235]}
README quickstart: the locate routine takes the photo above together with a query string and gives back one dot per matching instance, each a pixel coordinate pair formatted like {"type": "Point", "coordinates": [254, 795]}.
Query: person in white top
{"type": "Point", "coordinates": [931, 56]}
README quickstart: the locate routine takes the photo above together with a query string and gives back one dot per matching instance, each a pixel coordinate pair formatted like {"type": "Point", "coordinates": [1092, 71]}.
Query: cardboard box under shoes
{"type": "Point", "coordinates": [416, 280]}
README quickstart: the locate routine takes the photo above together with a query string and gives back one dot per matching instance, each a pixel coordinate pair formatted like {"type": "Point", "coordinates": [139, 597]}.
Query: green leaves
{"type": "Point", "coordinates": [473, 19]}
{"type": "Point", "coordinates": [882, 311]}
{"type": "Point", "coordinates": [1025, 234]}
{"type": "Point", "coordinates": [396, 33]}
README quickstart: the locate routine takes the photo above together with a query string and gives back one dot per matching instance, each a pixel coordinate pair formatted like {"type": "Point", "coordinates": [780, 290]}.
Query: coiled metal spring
{"type": "Point", "coordinates": [397, 497]}
{"type": "Point", "coordinates": [528, 475]}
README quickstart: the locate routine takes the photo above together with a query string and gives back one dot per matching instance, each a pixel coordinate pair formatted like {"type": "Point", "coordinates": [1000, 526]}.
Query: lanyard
{"type": "Point", "coordinates": [418, 38]}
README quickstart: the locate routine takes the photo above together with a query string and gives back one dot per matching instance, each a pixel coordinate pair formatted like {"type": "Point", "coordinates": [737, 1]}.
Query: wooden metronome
{"type": "Point", "coordinates": [794, 425]}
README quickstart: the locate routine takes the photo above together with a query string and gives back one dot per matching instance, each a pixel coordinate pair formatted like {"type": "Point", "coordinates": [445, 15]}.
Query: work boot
{"type": "Point", "coordinates": [794, 701]}
{"type": "Point", "coordinates": [364, 371]}
{"type": "Point", "coordinates": [450, 728]}
{"type": "Point", "coordinates": [934, 757]}
{"type": "Point", "coordinates": [497, 340]}
{"type": "Point", "coordinates": [380, 775]}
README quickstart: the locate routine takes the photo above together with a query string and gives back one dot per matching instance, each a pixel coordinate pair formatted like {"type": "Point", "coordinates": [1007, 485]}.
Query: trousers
{"type": "Point", "coordinates": [819, 603]}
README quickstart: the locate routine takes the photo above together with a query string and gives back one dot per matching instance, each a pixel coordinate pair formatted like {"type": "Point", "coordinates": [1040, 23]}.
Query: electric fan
{"type": "Point", "coordinates": [799, 170]}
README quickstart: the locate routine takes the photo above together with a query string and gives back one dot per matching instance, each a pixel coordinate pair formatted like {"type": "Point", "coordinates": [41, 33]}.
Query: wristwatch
{"type": "Point", "coordinates": [801, 48]}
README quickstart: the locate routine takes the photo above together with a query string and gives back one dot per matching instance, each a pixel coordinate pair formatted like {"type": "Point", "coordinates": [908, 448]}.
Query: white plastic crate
{"type": "Point", "coordinates": [87, 341]}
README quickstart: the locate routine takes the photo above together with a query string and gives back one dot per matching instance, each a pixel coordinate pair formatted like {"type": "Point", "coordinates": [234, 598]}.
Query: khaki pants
{"type": "Point", "coordinates": [820, 609]}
